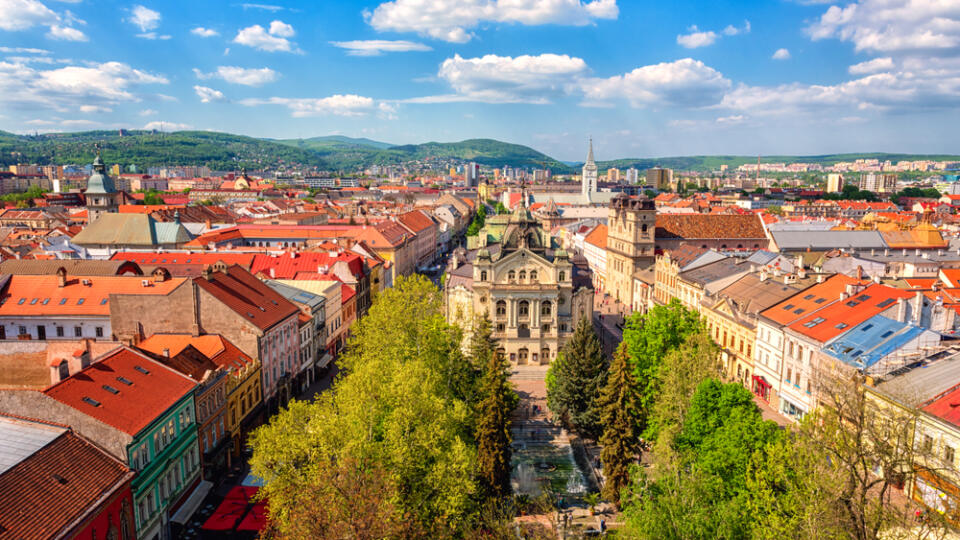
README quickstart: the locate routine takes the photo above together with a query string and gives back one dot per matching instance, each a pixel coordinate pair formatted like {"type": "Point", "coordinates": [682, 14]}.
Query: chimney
{"type": "Point", "coordinates": [819, 278]}
{"type": "Point", "coordinates": [886, 252]}
{"type": "Point", "coordinates": [166, 353]}
{"type": "Point", "coordinates": [901, 310]}
{"type": "Point", "coordinates": [859, 272]}
{"type": "Point", "coordinates": [918, 308]}
{"type": "Point", "coordinates": [763, 276]}
{"type": "Point", "coordinates": [273, 273]}
{"type": "Point", "coordinates": [61, 277]}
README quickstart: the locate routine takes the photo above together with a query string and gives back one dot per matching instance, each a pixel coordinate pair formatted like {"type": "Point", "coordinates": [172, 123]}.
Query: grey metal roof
{"type": "Point", "coordinates": [816, 240]}
{"type": "Point", "coordinates": [918, 383]}
{"type": "Point", "coordinates": [20, 439]}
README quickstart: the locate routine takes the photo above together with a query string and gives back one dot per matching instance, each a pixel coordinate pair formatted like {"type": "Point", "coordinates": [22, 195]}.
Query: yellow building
{"type": "Point", "coordinates": [629, 244]}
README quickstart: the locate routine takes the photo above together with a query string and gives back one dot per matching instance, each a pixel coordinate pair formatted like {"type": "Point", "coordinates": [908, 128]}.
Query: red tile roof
{"type": "Point", "coordinates": [57, 484]}
{"type": "Point", "coordinates": [598, 236]}
{"type": "Point", "coordinates": [288, 265]}
{"type": "Point", "coordinates": [218, 349]}
{"type": "Point", "coordinates": [946, 406]}
{"type": "Point", "coordinates": [809, 300]}
{"type": "Point", "coordinates": [849, 312]}
{"type": "Point", "coordinates": [134, 406]}
{"type": "Point", "coordinates": [248, 297]}
{"type": "Point", "coordinates": [346, 293]}
{"type": "Point", "coordinates": [712, 226]}
{"type": "Point", "coordinates": [168, 259]}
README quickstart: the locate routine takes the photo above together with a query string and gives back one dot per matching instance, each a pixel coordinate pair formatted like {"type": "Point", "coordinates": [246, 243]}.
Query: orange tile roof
{"type": "Point", "coordinates": [247, 296]}
{"type": "Point", "coordinates": [952, 276]}
{"type": "Point", "coordinates": [809, 300]}
{"type": "Point", "coordinates": [598, 236]}
{"type": "Point", "coordinates": [153, 390]}
{"type": "Point", "coordinates": [40, 295]}
{"type": "Point", "coordinates": [221, 351]}
{"type": "Point", "coordinates": [850, 312]}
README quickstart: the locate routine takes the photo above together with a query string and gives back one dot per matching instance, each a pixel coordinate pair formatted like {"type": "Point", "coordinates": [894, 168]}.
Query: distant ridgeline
{"type": "Point", "coordinates": [225, 151]}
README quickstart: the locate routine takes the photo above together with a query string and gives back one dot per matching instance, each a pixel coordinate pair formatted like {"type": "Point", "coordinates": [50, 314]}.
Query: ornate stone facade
{"type": "Point", "coordinates": [532, 290]}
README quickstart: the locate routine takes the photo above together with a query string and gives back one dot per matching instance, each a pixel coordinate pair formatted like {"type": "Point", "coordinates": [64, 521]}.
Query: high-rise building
{"type": "Point", "coordinates": [878, 183]}
{"type": "Point", "coordinates": [834, 183]}
{"type": "Point", "coordinates": [588, 176]}
{"type": "Point", "coordinates": [660, 178]}
{"type": "Point", "coordinates": [632, 175]}
{"type": "Point", "coordinates": [613, 174]}
{"type": "Point", "coordinates": [471, 175]}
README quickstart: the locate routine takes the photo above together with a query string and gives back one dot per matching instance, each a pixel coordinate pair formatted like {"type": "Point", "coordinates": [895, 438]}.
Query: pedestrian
{"type": "Point", "coordinates": [918, 514]}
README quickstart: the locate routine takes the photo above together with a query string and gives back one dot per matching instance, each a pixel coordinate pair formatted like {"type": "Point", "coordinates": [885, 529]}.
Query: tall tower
{"type": "Point", "coordinates": [101, 194]}
{"type": "Point", "coordinates": [630, 243]}
{"type": "Point", "coordinates": [588, 177]}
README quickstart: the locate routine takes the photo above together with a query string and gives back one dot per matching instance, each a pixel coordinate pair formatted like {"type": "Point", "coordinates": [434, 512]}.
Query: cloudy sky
{"type": "Point", "coordinates": [642, 78]}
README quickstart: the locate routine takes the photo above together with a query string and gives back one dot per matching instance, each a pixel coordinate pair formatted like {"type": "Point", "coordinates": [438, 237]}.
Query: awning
{"type": "Point", "coordinates": [186, 510]}
{"type": "Point", "coordinates": [324, 360]}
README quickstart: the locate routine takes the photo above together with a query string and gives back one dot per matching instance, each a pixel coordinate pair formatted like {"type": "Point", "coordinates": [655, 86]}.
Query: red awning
{"type": "Point", "coordinates": [231, 510]}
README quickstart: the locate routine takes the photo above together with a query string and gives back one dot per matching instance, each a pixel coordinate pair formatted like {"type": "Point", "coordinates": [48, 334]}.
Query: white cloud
{"type": "Point", "coordinates": [265, 7]}
{"type": "Point", "coordinates": [24, 14]}
{"type": "Point", "coordinates": [153, 35]}
{"type": "Point", "coordinates": [166, 126]}
{"type": "Point", "coordinates": [376, 47]}
{"type": "Point", "coordinates": [282, 29]}
{"type": "Point", "coordinates": [239, 75]}
{"type": "Point", "coordinates": [872, 66]}
{"type": "Point", "coordinates": [95, 109]}
{"type": "Point", "coordinates": [258, 37]}
{"type": "Point", "coordinates": [70, 87]}
{"type": "Point", "coordinates": [893, 25]}
{"type": "Point", "coordinates": [208, 95]}
{"type": "Point", "coordinates": [451, 20]}
{"type": "Point", "coordinates": [23, 50]}
{"type": "Point", "coordinates": [147, 112]}
{"type": "Point", "coordinates": [696, 38]}
{"type": "Point", "coordinates": [506, 79]}
{"type": "Point", "coordinates": [65, 33]}
{"type": "Point", "coordinates": [781, 54]}
{"type": "Point", "coordinates": [204, 32]}
{"type": "Point", "coordinates": [339, 105]}
{"type": "Point", "coordinates": [144, 18]}
{"type": "Point", "coordinates": [732, 119]}
{"type": "Point", "coordinates": [683, 83]}
{"type": "Point", "coordinates": [732, 30]}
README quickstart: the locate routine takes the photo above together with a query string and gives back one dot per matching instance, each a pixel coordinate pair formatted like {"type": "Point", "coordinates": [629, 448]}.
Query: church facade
{"type": "Point", "coordinates": [631, 228]}
{"type": "Point", "coordinates": [533, 291]}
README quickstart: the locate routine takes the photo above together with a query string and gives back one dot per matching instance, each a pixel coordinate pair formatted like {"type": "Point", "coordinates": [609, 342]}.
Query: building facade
{"type": "Point", "coordinates": [630, 244]}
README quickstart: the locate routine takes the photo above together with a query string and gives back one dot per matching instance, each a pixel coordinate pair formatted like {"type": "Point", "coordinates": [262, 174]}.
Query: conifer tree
{"type": "Point", "coordinates": [619, 408]}
{"type": "Point", "coordinates": [576, 381]}
{"type": "Point", "coordinates": [493, 425]}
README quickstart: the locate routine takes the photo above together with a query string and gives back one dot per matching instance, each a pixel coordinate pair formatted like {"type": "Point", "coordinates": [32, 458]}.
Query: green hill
{"type": "Point", "coordinates": [219, 151]}
{"type": "Point", "coordinates": [712, 163]}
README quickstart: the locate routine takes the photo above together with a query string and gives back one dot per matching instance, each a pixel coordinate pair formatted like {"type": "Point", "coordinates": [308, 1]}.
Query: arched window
{"type": "Point", "coordinates": [533, 275]}
{"type": "Point", "coordinates": [524, 307]}
{"type": "Point", "coordinates": [483, 275]}
{"type": "Point", "coordinates": [739, 246]}
{"type": "Point", "coordinates": [643, 227]}
{"type": "Point", "coordinates": [501, 307]}
{"type": "Point", "coordinates": [562, 276]}
{"type": "Point", "coordinates": [64, 370]}
{"type": "Point", "coordinates": [545, 307]}
{"type": "Point", "coordinates": [523, 275]}
{"type": "Point", "coordinates": [511, 275]}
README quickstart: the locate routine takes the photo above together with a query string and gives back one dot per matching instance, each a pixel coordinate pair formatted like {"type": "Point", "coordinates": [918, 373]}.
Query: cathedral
{"type": "Point", "coordinates": [515, 272]}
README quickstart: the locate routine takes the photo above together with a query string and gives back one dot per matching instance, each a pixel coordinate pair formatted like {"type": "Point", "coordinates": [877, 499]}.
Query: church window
{"type": "Point", "coordinates": [643, 227]}
{"type": "Point", "coordinates": [523, 275]}
{"type": "Point", "coordinates": [511, 275]}
{"type": "Point", "coordinates": [524, 308]}
{"type": "Point", "coordinates": [501, 307]}
{"type": "Point", "coordinates": [483, 275]}
{"type": "Point", "coordinates": [545, 308]}
{"type": "Point", "coordinates": [533, 275]}
{"type": "Point", "coordinates": [562, 276]}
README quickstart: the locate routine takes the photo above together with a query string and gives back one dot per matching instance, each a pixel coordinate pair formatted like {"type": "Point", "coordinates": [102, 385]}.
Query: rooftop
{"type": "Point", "coordinates": [247, 296]}
{"type": "Point", "coordinates": [126, 390]}
{"type": "Point", "coordinates": [808, 301]}
{"type": "Point", "coordinates": [81, 295]}
{"type": "Point", "coordinates": [709, 226]}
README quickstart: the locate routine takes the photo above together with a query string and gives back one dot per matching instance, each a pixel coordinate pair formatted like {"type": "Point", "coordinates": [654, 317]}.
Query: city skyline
{"type": "Point", "coordinates": [791, 77]}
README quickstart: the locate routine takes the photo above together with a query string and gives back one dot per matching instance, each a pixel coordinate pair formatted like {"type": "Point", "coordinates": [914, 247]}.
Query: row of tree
{"type": "Point", "coordinates": [413, 440]}
{"type": "Point", "coordinates": [717, 468]}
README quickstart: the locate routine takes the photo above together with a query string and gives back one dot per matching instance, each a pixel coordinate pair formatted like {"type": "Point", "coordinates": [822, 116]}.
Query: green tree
{"type": "Point", "coordinates": [395, 406]}
{"type": "Point", "coordinates": [618, 406]}
{"type": "Point", "coordinates": [500, 208]}
{"type": "Point", "coordinates": [478, 221]}
{"type": "Point", "coordinates": [775, 210]}
{"type": "Point", "coordinates": [578, 379]}
{"type": "Point", "coordinates": [649, 337]}
{"type": "Point", "coordinates": [682, 370]}
{"type": "Point", "coordinates": [493, 432]}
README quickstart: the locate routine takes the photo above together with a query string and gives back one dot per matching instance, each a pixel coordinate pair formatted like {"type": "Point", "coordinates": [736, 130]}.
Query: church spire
{"type": "Point", "coordinates": [590, 152]}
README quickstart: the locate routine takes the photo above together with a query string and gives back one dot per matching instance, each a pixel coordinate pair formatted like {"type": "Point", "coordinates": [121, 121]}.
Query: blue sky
{"type": "Point", "coordinates": [643, 78]}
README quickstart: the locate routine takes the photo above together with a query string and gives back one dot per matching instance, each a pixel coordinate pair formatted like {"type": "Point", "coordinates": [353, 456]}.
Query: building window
{"type": "Point", "coordinates": [524, 307]}
{"type": "Point", "coordinates": [63, 369]}
{"type": "Point", "coordinates": [501, 327]}
{"type": "Point", "coordinates": [511, 275]}
{"type": "Point", "coordinates": [59, 331]}
{"type": "Point", "coordinates": [545, 328]}
{"type": "Point", "coordinates": [948, 454]}
{"type": "Point", "coordinates": [523, 275]}
{"type": "Point", "coordinates": [927, 443]}
{"type": "Point", "coordinates": [99, 331]}
{"type": "Point", "coordinates": [483, 275]}
{"type": "Point", "coordinates": [545, 308]}
{"type": "Point", "coordinates": [562, 276]}
{"type": "Point", "coordinates": [22, 330]}
{"type": "Point", "coordinates": [533, 275]}
{"type": "Point", "coordinates": [77, 331]}
{"type": "Point", "coordinates": [501, 307]}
